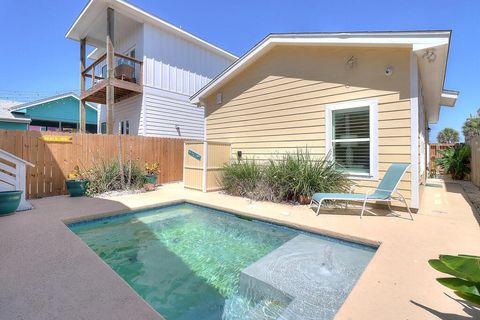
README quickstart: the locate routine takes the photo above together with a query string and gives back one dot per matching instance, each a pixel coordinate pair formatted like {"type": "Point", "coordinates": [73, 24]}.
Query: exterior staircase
{"type": "Point", "coordinates": [13, 176]}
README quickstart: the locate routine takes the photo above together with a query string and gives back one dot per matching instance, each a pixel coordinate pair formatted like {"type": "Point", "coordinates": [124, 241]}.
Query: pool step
{"type": "Point", "coordinates": [308, 272]}
{"type": "Point", "coordinates": [246, 308]}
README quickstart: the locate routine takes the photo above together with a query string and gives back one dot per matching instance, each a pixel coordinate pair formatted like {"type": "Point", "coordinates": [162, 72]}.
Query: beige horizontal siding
{"type": "Point", "coordinates": [278, 103]}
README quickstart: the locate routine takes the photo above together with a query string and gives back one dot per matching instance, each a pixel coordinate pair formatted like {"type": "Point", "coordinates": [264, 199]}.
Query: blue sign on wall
{"type": "Point", "coordinates": [193, 154]}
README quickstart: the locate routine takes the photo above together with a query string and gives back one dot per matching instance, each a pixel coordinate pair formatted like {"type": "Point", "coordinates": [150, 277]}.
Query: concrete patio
{"type": "Point", "coordinates": [47, 272]}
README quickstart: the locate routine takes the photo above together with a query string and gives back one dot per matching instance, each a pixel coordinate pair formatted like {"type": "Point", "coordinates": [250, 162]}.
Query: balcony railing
{"type": "Point", "coordinates": [128, 75]}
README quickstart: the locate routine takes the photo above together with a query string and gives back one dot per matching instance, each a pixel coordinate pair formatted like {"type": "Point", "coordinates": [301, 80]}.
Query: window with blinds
{"type": "Point", "coordinates": [351, 139]}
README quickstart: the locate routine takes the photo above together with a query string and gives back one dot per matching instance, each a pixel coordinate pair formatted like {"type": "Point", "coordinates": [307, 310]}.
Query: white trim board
{"type": "Point", "coordinates": [414, 149]}
{"type": "Point", "coordinates": [49, 99]}
{"type": "Point", "coordinates": [372, 104]}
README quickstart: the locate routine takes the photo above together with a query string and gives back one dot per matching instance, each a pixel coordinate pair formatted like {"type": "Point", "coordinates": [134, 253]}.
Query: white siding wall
{"type": "Point", "coordinates": [177, 65]}
{"type": "Point", "coordinates": [165, 111]}
{"type": "Point", "coordinates": [129, 109]}
{"type": "Point", "coordinates": [174, 69]}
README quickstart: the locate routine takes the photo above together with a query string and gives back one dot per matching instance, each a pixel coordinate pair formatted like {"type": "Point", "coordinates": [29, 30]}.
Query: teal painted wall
{"type": "Point", "coordinates": [13, 126]}
{"type": "Point", "coordinates": [65, 110]}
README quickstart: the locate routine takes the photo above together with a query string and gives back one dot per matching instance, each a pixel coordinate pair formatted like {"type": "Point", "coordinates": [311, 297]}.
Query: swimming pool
{"type": "Point", "coordinates": [194, 262]}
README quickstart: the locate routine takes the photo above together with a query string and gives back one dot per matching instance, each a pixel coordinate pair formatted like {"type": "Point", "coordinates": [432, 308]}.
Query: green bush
{"type": "Point", "coordinates": [455, 161]}
{"type": "Point", "coordinates": [465, 270]}
{"type": "Point", "coordinates": [107, 176]}
{"type": "Point", "coordinates": [284, 179]}
{"type": "Point", "coordinates": [241, 177]}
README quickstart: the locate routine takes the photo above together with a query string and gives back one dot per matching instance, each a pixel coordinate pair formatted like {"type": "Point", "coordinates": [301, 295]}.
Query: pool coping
{"type": "Point", "coordinates": [315, 230]}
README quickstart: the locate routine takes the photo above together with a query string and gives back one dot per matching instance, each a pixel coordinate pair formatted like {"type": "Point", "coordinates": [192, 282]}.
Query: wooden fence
{"type": "Point", "coordinates": [203, 172]}
{"type": "Point", "coordinates": [435, 154]}
{"type": "Point", "coordinates": [475, 160]}
{"type": "Point", "coordinates": [54, 160]}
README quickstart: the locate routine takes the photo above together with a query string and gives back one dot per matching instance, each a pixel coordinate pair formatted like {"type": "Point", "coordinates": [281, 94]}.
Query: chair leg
{"type": "Point", "coordinates": [318, 208]}
{"type": "Point", "coordinates": [408, 208]}
{"type": "Point", "coordinates": [363, 208]}
{"type": "Point", "coordinates": [389, 203]}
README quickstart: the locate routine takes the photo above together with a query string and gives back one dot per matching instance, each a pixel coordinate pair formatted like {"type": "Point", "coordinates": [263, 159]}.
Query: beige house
{"type": "Point", "coordinates": [365, 99]}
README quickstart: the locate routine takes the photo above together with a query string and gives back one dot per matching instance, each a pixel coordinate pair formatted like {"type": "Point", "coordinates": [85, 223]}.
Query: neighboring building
{"type": "Point", "coordinates": [9, 121]}
{"type": "Point", "coordinates": [365, 99]}
{"type": "Point", "coordinates": [57, 113]}
{"type": "Point", "coordinates": [155, 68]}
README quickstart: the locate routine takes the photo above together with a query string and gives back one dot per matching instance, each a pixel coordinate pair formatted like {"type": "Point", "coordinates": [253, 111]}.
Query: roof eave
{"type": "Point", "coordinates": [143, 16]}
{"type": "Point", "coordinates": [417, 40]}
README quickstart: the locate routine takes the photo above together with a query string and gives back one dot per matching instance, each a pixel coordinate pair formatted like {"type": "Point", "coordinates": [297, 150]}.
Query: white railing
{"type": "Point", "coordinates": [13, 176]}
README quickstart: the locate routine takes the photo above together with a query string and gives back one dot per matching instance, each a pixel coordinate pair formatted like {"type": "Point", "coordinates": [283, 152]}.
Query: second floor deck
{"type": "Point", "coordinates": [126, 80]}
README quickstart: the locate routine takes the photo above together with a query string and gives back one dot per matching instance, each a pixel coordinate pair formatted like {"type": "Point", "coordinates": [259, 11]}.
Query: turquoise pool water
{"type": "Point", "coordinates": [193, 262]}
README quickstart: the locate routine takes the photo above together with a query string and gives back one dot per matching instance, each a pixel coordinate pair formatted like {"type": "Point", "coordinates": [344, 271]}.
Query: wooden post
{"type": "Point", "coordinates": [82, 122]}
{"type": "Point", "coordinates": [110, 98]}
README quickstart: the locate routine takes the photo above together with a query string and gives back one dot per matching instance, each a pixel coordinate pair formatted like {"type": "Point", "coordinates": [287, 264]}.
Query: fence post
{"type": "Point", "coordinates": [205, 165]}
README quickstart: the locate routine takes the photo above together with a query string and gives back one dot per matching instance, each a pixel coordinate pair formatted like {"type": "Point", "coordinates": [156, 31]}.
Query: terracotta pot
{"type": "Point", "coordinates": [304, 199]}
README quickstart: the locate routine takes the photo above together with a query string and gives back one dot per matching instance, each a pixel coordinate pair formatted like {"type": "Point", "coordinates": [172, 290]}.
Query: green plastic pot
{"type": "Point", "coordinates": [76, 188]}
{"type": "Point", "coordinates": [151, 178]}
{"type": "Point", "coordinates": [9, 201]}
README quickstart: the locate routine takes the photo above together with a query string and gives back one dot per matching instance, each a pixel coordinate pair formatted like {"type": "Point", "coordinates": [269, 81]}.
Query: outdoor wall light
{"type": "Point", "coordinates": [239, 154]}
{"type": "Point", "coordinates": [388, 71]}
{"type": "Point", "coordinates": [430, 55]}
{"type": "Point", "coordinates": [219, 98]}
{"type": "Point", "coordinates": [351, 62]}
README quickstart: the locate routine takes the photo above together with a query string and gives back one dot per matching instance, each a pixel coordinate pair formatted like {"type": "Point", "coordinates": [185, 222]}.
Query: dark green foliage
{"type": "Point", "coordinates": [448, 135]}
{"type": "Point", "coordinates": [107, 176]}
{"type": "Point", "coordinates": [284, 179]}
{"type": "Point", "coordinates": [465, 270]}
{"type": "Point", "coordinates": [455, 161]}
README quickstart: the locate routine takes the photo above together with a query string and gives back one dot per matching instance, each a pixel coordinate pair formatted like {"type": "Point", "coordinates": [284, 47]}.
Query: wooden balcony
{"type": "Point", "coordinates": [127, 80]}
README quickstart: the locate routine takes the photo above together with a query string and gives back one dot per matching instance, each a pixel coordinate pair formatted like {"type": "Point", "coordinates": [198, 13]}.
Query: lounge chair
{"type": "Point", "coordinates": [386, 191]}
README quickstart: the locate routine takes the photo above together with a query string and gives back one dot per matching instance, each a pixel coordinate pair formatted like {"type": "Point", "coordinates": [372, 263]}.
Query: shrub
{"type": "Point", "coordinates": [284, 179]}
{"type": "Point", "coordinates": [107, 176]}
{"type": "Point", "coordinates": [455, 161]}
{"type": "Point", "coordinates": [465, 270]}
{"type": "Point", "coordinates": [240, 178]}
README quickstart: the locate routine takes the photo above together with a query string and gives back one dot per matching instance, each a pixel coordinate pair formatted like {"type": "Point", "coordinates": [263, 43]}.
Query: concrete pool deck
{"type": "Point", "coordinates": [47, 272]}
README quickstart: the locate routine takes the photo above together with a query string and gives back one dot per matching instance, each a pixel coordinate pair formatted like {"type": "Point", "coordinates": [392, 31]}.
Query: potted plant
{"type": "Point", "coordinates": [76, 183]}
{"type": "Point", "coordinates": [151, 172]}
{"type": "Point", "coordinates": [9, 201]}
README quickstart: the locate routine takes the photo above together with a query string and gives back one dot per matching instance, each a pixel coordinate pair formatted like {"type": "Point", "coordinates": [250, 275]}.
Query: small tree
{"type": "Point", "coordinates": [471, 127]}
{"type": "Point", "coordinates": [448, 135]}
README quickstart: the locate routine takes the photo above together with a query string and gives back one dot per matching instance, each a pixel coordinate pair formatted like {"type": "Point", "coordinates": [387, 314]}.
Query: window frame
{"type": "Point", "coordinates": [372, 105]}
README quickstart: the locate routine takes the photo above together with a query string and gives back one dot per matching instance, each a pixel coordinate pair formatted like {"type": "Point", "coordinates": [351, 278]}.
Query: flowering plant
{"type": "Point", "coordinates": [152, 168]}
{"type": "Point", "coordinates": [75, 174]}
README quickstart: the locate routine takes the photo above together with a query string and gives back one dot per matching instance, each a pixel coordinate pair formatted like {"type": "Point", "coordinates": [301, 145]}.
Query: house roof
{"type": "Point", "coordinates": [431, 48]}
{"type": "Point", "coordinates": [21, 106]}
{"type": "Point", "coordinates": [7, 116]}
{"type": "Point", "coordinates": [95, 12]}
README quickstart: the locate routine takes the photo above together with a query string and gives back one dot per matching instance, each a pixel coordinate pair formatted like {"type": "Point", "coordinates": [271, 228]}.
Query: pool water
{"type": "Point", "coordinates": [186, 261]}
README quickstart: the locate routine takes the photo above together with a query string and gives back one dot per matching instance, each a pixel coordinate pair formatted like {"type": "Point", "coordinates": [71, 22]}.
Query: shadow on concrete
{"type": "Point", "coordinates": [453, 187]}
{"type": "Point", "coordinates": [470, 310]}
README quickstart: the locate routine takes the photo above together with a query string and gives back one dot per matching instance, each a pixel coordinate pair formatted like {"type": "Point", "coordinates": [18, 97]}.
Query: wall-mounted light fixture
{"type": "Point", "coordinates": [239, 154]}
{"type": "Point", "coordinates": [351, 62]}
{"type": "Point", "coordinates": [177, 127]}
{"type": "Point", "coordinates": [219, 98]}
{"type": "Point", "coordinates": [388, 71]}
{"type": "Point", "coordinates": [430, 55]}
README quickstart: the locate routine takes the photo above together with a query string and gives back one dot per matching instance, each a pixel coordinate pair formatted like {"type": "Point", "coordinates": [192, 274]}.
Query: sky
{"type": "Point", "coordinates": [37, 60]}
